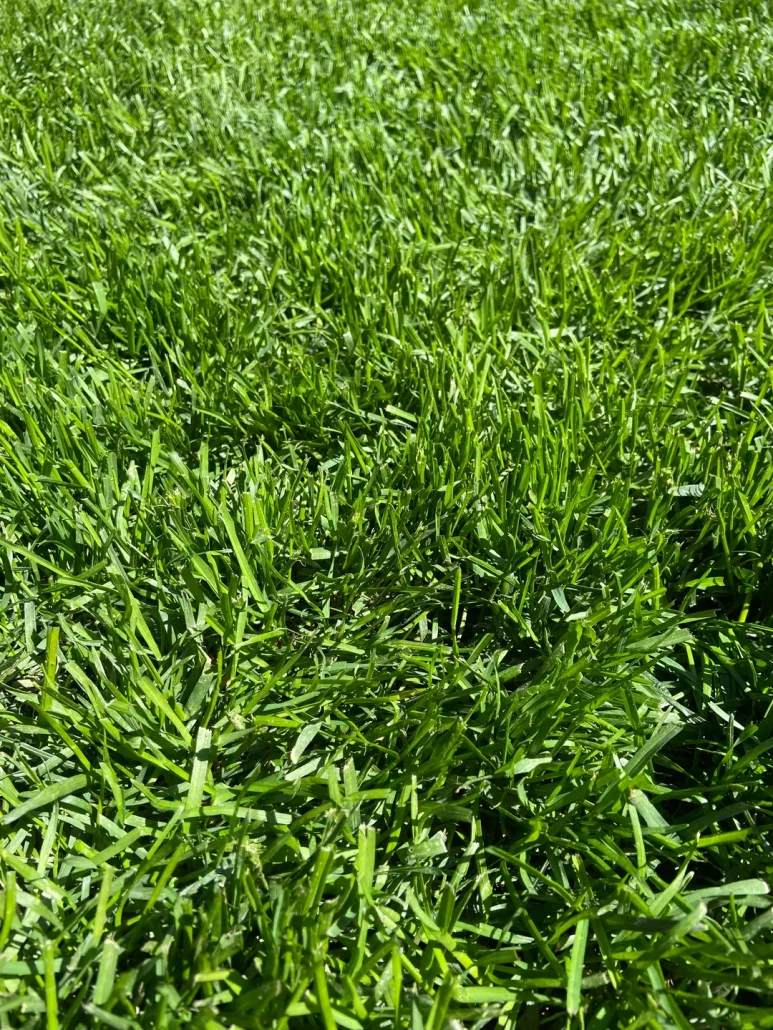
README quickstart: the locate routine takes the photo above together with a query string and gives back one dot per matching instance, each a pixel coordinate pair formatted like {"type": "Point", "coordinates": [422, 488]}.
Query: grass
{"type": "Point", "coordinates": [385, 514]}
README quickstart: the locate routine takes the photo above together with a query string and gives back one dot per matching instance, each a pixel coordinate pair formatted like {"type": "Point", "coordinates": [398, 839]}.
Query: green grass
{"type": "Point", "coordinates": [385, 514]}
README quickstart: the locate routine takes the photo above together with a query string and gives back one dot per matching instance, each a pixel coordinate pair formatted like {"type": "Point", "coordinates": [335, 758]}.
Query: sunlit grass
{"type": "Point", "coordinates": [385, 515]}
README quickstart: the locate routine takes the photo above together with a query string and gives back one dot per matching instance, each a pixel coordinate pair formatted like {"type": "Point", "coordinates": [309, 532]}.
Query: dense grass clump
{"type": "Point", "coordinates": [385, 514]}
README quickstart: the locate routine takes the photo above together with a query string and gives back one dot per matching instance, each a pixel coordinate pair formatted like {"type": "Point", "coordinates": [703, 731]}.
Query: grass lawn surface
{"type": "Point", "coordinates": [385, 514]}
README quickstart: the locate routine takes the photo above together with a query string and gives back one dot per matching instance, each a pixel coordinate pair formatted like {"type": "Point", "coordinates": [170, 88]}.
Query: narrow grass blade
{"type": "Point", "coordinates": [576, 968]}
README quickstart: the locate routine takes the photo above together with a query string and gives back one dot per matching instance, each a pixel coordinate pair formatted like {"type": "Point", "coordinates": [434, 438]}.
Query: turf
{"type": "Point", "coordinates": [385, 514]}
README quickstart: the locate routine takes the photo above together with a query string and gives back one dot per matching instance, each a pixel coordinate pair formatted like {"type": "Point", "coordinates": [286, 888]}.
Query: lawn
{"type": "Point", "coordinates": [386, 513]}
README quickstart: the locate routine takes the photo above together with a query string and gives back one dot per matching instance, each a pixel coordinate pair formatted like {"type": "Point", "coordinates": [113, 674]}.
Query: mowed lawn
{"type": "Point", "coordinates": [385, 514]}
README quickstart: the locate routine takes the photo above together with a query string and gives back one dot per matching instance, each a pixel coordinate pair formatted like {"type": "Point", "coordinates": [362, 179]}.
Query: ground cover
{"type": "Point", "coordinates": [385, 514]}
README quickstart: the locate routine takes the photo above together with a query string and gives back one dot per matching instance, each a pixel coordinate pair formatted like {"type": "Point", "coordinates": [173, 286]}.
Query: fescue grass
{"type": "Point", "coordinates": [385, 514]}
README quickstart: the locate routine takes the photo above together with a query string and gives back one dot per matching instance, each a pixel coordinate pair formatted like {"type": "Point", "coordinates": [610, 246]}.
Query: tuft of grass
{"type": "Point", "coordinates": [385, 514]}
